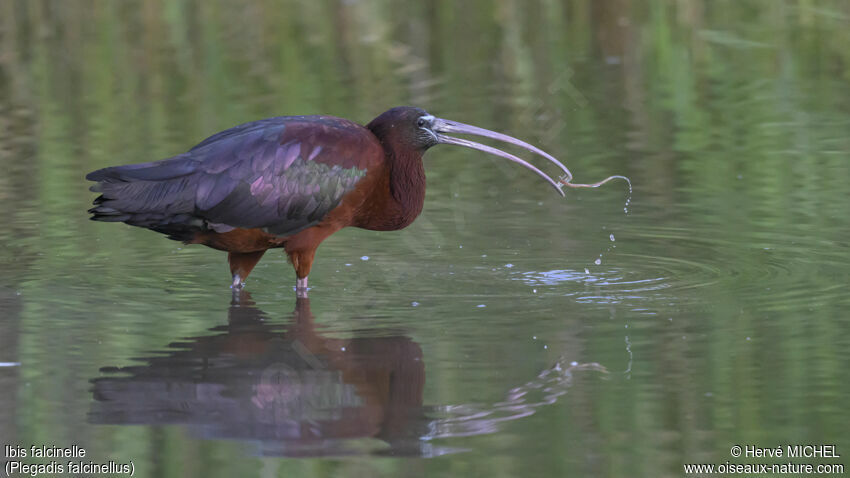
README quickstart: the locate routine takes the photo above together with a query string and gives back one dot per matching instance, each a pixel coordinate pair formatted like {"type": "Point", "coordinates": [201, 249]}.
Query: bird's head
{"type": "Point", "coordinates": [416, 129]}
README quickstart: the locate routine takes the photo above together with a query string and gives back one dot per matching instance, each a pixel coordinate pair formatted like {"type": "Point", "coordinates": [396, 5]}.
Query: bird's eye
{"type": "Point", "coordinates": [421, 122]}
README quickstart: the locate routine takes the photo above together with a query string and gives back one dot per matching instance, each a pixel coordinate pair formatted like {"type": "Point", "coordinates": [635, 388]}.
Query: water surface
{"type": "Point", "coordinates": [508, 331]}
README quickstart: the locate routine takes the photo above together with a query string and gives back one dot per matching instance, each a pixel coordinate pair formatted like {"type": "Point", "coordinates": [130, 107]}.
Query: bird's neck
{"type": "Point", "coordinates": [407, 185]}
{"type": "Point", "coordinates": [406, 177]}
{"type": "Point", "coordinates": [400, 193]}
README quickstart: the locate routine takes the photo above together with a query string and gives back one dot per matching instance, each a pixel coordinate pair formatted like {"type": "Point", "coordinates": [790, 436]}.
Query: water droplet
{"type": "Point", "coordinates": [611, 237]}
{"type": "Point", "coordinates": [545, 346]}
{"type": "Point", "coordinates": [364, 258]}
{"type": "Point", "coordinates": [598, 261]}
{"type": "Point", "coordinates": [534, 337]}
{"type": "Point", "coordinates": [509, 265]}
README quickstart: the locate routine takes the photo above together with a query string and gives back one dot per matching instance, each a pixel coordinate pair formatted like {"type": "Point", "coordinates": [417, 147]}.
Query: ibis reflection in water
{"type": "Point", "coordinates": [294, 392]}
{"type": "Point", "coordinates": [289, 182]}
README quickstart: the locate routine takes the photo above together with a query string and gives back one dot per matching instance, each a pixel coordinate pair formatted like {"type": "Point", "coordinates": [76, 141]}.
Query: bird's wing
{"type": "Point", "coordinates": [280, 174]}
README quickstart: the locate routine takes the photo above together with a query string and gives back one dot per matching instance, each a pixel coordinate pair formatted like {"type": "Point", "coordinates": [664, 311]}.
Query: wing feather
{"type": "Point", "coordinates": [281, 174]}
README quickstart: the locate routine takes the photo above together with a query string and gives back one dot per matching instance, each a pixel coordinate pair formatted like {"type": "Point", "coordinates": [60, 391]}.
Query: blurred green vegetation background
{"type": "Point", "coordinates": [731, 118]}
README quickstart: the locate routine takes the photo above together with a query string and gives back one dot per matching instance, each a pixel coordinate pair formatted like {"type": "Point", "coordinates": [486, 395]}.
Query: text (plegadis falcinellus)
{"type": "Point", "coordinates": [288, 182]}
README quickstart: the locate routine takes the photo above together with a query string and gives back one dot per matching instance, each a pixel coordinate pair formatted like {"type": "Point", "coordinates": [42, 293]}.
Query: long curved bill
{"type": "Point", "coordinates": [440, 125]}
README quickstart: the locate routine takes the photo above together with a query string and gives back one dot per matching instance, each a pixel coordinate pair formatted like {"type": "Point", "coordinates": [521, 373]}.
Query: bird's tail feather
{"type": "Point", "coordinates": [158, 195]}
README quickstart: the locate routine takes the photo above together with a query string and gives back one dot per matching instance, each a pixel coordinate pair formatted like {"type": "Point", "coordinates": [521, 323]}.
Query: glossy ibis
{"type": "Point", "coordinates": [289, 182]}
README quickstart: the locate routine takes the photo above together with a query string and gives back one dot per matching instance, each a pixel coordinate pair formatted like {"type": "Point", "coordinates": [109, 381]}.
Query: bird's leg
{"type": "Point", "coordinates": [237, 282]}
{"type": "Point", "coordinates": [241, 264]}
{"type": "Point", "coordinates": [302, 260]}
{"type": "Point", "coordinates": [301, 287]}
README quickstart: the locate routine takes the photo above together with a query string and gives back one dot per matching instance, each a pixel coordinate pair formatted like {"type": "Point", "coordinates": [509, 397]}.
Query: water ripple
{"type": "Point", "coordinates": [760, 267]}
